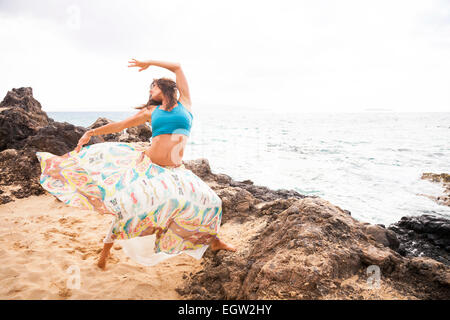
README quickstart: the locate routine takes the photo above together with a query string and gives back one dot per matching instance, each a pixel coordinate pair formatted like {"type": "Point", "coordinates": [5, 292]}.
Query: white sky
{"type": "Point", "coordinates": [302, 56]}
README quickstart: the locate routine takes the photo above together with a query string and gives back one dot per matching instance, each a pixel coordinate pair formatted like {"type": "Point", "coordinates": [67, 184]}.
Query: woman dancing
{"type": "Point", "coordinates": [149, 192]}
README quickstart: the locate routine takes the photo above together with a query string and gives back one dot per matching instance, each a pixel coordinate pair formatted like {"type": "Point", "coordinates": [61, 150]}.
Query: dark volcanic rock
{"type": "Point", "coordinates": [57, 138]}
{"type": "Point", "coordinates": [265, 194]}
{"type": "Point", "coordinates": [20, 167]}
{"type": "Point", "coordinates": [21, 116]}
{"type": "Point", "coordinates": [424, 235]}
{"type": "Point", "coordinates": [24, 126]}
{"type": "Point", "coordinates": [201, 168]}
{"type": "Point", "coordinates": [436, 177]}
{"type": "Point", "coordinates": [101, 122]}
{"type": "Point", "coordinates": [140, 133]}
{"type": "Point", "coordinates": [23, 98]}
{"type": "Point", "coordinates": [386, 237]}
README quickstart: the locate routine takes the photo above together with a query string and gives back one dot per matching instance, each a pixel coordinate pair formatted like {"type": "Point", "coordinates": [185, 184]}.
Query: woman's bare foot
{"type": "Point", "coordinates": [218, 244]}
{"type": "Point", "coordinates": [104, 256]}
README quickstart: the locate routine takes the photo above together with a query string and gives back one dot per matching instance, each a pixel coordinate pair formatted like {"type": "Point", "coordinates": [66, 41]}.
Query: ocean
{"type": "Point", "coordinates": [369, 162]}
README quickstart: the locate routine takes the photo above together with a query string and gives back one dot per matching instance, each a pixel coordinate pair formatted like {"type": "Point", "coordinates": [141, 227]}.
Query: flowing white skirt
{"type": "Point", "coordinates": [158, 212]}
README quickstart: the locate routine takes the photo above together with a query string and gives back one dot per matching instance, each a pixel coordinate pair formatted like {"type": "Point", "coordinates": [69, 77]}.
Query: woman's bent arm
{"type": "Point", "coordinates": [107, 128]}
{"type": "Point", "coordinates": [140, 118]}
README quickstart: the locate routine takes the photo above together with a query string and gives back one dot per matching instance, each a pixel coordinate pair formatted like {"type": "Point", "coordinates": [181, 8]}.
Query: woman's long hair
{"type": "Point", "coordinates": [169, 90]}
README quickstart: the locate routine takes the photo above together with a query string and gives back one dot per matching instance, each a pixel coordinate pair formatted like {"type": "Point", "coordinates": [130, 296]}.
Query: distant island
{"type": "Point", "coordinates": [377, 109]}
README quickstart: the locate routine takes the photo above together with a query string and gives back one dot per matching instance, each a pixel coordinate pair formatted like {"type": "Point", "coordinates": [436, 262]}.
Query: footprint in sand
{"type": "Point", "coordinates": [64, 293]}
{"type": "Point", "coordinates": [47, 236]}
{"type": "Point", "coordinates": [69, 220]}
{"type": "Point", "coordinates": [81, 249]}
{"type": "Point", "coordinates": [62, 220]}
{"type": "Point", "coordinates": [112, 259]}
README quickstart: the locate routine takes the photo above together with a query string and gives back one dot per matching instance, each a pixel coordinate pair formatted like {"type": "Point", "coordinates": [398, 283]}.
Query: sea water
{"type": "Point", "coordinates": [369, 163]}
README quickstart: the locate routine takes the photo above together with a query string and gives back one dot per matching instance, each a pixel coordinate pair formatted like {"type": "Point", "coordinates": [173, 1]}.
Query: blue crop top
{"type": "Point", "coordinates": [177, 120]}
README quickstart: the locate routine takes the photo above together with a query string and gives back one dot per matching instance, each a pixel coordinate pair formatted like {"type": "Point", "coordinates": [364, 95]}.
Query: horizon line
{"type": "Point", "coordinates": [294, 111]}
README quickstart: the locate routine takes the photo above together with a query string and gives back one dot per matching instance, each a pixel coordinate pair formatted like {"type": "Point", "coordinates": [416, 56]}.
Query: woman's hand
{"type": "Point", "coordinates": [141, 64]}
{"type": "Point", "coordinates": [83, 140]}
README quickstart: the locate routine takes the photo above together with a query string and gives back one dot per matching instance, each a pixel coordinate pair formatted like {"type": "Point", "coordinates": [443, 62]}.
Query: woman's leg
{"type": "Point", "coordinates": [108, 243]}
{"type": "Point", "coordinates": [104, 255]}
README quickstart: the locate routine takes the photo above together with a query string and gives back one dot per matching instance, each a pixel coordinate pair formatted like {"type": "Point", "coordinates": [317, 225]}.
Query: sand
{"type": "Point", "coordinates": [45, 243]}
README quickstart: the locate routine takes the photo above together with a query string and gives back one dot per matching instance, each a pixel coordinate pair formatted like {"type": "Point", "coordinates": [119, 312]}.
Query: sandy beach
{"type": "Point", "coordinates": [45, 242]}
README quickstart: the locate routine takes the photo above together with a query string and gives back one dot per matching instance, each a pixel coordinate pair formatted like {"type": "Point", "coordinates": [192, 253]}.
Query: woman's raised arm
{"type": "Point", "coordinates": [172, 66]}
{"type": "Point", "coordinates": [175, 67]}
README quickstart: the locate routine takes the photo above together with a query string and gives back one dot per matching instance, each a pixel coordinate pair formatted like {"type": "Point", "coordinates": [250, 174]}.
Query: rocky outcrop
{"type": "Point", "coordinates": [21, 116]}
{"type": "Point", "coordinates": [444, 179]}
{"type": "Point", "coordinates": [313, 250]}
{"type": "Point", "coordinates": [386, 237]}
{"type": "Point", "coordinates": [22, 98]}
{"type": "Point", "coordinates": [24, 126]}
{"type": "Point", "coordinates": [19, 170]}
{"type": "Point", "coordinates": [424, 235]}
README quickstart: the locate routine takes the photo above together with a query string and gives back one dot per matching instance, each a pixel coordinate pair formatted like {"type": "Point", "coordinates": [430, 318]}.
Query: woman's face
{"type": "Point", "coordinates": [155, 91]}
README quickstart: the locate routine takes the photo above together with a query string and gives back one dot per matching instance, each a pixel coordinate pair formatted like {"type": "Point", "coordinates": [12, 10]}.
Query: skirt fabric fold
{"type": "Point", "coordinates": [158, 212]}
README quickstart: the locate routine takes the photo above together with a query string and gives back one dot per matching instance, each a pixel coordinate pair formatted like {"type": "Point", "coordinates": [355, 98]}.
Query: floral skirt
{"type": "Point", "coordinates": [157, 211]}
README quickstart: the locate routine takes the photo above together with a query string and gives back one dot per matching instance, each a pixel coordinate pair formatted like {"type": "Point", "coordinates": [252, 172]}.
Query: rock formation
{"type": "Point", "coordinates": [444, 179]}
{"type": "Point", "coordinates": [21, 116]}
{"type": "Point", "coordinates": [424, 235]}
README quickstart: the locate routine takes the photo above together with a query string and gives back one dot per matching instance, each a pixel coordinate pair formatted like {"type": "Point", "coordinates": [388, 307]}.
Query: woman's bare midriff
{"type": "Point", "coordinates": [167, 149]}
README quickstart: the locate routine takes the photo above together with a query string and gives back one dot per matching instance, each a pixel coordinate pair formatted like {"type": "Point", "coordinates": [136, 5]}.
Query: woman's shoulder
{"type": "Point", "coordinates": [148, 111]}
{"type": "Point", "coordinates": [186, 103]}
{"type": "Point", "coordinates": [152, 108]}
